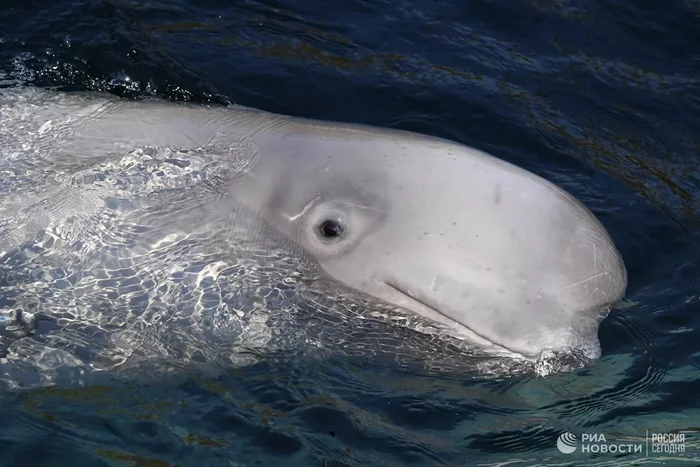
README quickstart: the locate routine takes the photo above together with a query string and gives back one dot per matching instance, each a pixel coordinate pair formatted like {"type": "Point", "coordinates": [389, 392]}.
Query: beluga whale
{"type": "Point", "coordinates": [154, 228]}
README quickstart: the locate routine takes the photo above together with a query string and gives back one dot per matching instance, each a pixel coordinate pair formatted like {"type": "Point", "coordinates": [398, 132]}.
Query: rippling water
{"type": "Point", "coordinates": [600, 97]}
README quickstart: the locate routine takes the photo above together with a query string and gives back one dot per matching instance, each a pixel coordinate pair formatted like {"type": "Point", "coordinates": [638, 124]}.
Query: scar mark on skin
{"type": "Point", "coordinates": [359, 206]}
{"type": "Point", "coordinates": [595, 274]}
{"type": "Point", "coordinates": [595, 259]}
{"type": "Point", "coordinates": [588, 279]}
{"type": "Point", "coordinates": [303, 211]}
{"type": "Point", "coordinates": [432, 284]}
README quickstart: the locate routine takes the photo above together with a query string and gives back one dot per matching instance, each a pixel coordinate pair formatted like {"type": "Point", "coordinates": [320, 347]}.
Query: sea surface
{"type": "Point", "coordinates": [600, 96]}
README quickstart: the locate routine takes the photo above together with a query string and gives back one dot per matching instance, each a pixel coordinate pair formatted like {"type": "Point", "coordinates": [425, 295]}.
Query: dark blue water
{"type": "Point", "coordinates": [602, 97]}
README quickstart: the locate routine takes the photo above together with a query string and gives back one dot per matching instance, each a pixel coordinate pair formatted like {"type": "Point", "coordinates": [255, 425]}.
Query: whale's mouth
{"type": "Point", "coordinates": [403, 297]}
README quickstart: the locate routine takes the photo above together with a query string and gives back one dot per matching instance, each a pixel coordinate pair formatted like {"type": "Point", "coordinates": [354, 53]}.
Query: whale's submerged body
{"type": "Point", "coordinates": [145, 231]}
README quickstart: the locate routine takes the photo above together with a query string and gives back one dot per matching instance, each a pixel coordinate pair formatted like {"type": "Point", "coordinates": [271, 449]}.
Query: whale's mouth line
{"type": "Point", "coordinates": [397, 288]}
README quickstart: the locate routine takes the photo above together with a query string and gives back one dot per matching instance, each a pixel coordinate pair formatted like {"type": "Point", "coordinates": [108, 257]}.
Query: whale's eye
{"type": "Point", "coordinates": [330, 229]}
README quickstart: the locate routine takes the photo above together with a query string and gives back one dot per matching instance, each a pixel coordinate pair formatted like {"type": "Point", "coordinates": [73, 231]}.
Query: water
{"type": "Point", "coordinates": [600, 97]}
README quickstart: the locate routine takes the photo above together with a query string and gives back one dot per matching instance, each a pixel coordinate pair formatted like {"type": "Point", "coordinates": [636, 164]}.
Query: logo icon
{"type": "Point", "coordinates": [567, 443]}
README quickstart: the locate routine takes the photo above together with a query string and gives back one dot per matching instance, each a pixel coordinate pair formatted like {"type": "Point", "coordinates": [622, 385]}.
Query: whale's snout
{"type": "Point", "coordinates": [522, 318]}
{"type": "Point", "coordinates": [536, 272]}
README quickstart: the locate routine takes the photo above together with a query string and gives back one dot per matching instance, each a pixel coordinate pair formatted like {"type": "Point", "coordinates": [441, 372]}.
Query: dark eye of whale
{"type": "Point", "coordinates": [330, 229]}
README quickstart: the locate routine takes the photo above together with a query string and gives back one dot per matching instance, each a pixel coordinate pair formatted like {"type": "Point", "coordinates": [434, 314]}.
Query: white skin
{"type": "Point", "coordinates": [449, 232]}
{"type": "Point", "coordinates": [492, 251]}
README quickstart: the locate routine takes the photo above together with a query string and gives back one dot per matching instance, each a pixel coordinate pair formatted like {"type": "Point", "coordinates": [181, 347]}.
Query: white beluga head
{"type": "Point", "coordinates": [492, 252]}
{"type": "Point", "coordinates": [489, 249]}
